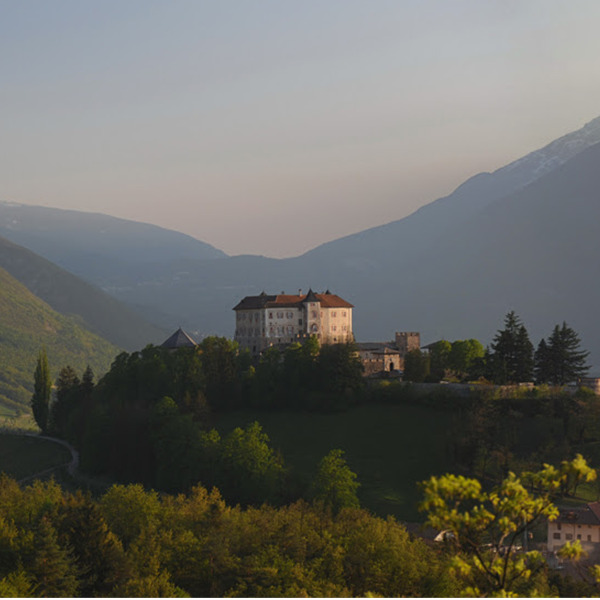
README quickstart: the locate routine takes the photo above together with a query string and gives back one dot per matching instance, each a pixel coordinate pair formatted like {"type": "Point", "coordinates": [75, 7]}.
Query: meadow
{"type": "Point", "coordinates": [24, 456]}
{"type": "Point", "coordinates": [390, 448]}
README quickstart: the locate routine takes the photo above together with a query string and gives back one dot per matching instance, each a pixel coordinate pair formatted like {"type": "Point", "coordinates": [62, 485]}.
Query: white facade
{"type": "Point", "coordinates": [264, 321]}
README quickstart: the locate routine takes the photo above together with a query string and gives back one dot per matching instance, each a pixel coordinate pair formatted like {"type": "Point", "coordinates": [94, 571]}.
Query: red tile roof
{"type": "Point", "coordinates": [290, 301]}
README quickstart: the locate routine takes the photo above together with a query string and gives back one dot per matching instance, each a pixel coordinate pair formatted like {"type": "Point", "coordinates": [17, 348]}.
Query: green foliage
{"type": "Point", "coordinates": [416, 366]}
{"type": "Point", "coordinates": [464, 356]}
{"type": "Point", "coordinates": [559, 360]}
{"type": "Point", "coordinates": [254, 472]}
{"type": "Point", "coordinates": [26, 324]}
{"type": "Point", "coordinates": [484, 528]}
{"type": "Point", "coordinates": [140, 544]}
{"type": "Point", "coordinates": [511, 360]}
{"type": "Point", "coordinates": [42, 390]}
{"type": "Point", "coordinates": [335, 485]}
{"type": "Point", "coordinates": [439, 356]}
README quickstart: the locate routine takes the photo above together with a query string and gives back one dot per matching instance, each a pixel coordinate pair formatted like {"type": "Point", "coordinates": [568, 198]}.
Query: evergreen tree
{"type": "Point", "coordinates": [542, 363]}
{"type": "Point", "coordinates": [42, 390]}
{"type": "Point", "coordinates": [87, 382]}
{"type": "Point", "coordinates": [512, 352]}
{"type": "Point", "coordinates": [53, 567]}
{"type": "Point", "coordinates": [560, 359]}
{"type": "Point", "coordinates": [67, 395]}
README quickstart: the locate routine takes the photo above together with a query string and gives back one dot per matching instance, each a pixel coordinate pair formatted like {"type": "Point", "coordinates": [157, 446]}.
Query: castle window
{"type": "Point", "coordinates": [344, 327]}
{"type": "Point", "coordinates": [333, 328]}
{"type": "Point", "coordinates": [280, 315]}
{"type": "Point", "coordinates": [299, 321]}
{"type": "Point", "coordinates": [313, 314]}
{"type": "Point", "coordinates": [589, 538]}
{"type": "Point", "coordinates": [578, 536]}
{"type": "Point", "coordinates": [568, 536]}
{"type": "Point", "coordinates": [289, 315]}
{"type": "Point", "coordinates": [334, 314]}
{"type": "Point", "coordinates": [343, 313]}
{"type": "Point", "coordinates": [556, 536]}
{"type": "Point", "coordinates": [290, 329]}
{"type": "Point", "coordinates": [270, 315]}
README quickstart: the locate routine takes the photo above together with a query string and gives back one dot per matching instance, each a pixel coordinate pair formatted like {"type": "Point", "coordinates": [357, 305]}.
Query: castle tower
{"type": "Point", "coordinates": [407, 341]}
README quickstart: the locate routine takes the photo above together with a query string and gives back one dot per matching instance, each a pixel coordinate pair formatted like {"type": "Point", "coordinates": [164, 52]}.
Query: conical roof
{"type": "Point", "coordinates": [180, 339]}
{"type": "Point", "coordinates": [311, 297]}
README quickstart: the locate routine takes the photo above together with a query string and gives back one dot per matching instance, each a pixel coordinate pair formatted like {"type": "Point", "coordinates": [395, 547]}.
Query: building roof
{"type": "Point", "coordinates": [377, 347]}
{"type": "Point", "coordinates": [327, 300]}
{"type": "Point", "coordinates": [581, 515]}
{"type": "Point", "coordinates": [180, 339]}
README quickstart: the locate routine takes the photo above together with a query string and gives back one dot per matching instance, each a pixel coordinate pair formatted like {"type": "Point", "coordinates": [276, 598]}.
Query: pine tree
{"type": "Point", "coordinates": [512, 352]}
{"type": "Point", "coordinates": [560, 359]}
{"type": "Point", "coordinates": [53, 568]}
{"type": "Point", "coordinates": [42, 390]}
{"type": "Point", "coordinates": [542, 366]}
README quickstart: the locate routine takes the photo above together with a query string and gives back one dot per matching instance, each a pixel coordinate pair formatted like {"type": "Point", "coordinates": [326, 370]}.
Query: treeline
{"type": "Point", "coordinates": [136, 543]}
{"type": "Point", "coordinates": [148, 419]}
{"type": "Point", "coordinates": [510, 358]}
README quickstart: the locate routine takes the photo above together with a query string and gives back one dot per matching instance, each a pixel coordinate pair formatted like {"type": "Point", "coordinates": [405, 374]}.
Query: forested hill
{"type": "Point", "coordinates": [26, 325]}
{"type": "Point", "coordinates": [69, 295]}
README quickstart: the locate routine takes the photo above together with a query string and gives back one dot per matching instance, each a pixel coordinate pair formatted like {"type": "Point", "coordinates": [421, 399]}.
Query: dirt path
{"type": "Point", "coordinates": [72, 465]}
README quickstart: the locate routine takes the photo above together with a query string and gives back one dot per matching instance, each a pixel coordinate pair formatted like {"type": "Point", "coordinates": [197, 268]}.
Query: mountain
{"type": "Point", "coordinates": [97, 247]}
{"type": "Point", "coordinates": [519, 238]}
{"type": "Point", "coordinates": [67, 294]}
{"type": "Point", "coordinates": [433, 271]}
{"type": "Point", "coordinates": [26, 325]}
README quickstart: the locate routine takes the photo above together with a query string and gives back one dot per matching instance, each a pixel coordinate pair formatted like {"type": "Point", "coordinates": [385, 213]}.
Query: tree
{"type": "Point", "coordinates": [439, 354]}
{"type": "Point", "coordinates": [53, 568]}
{"type": "Point", "coordinates": [339, 368]}
{"type": "Point", "coordinates": [42, 390]}
{"type": "Point", "coordinates": [560, 360]}
{"type": "Point", "coordinates": [416, 366]}
{"type": "Point", "coordinates": [252, 471]}
{"type": "Point", "coordinates": [463, 355]}
{"type": "Point", "coordinates": [335, 485]}
{"type": "Point", "coordinates": [512, 352]}
{"type": "Point", "coordinates": [67, 394]}
{"type": "Point", "coordinates": [484, 528]}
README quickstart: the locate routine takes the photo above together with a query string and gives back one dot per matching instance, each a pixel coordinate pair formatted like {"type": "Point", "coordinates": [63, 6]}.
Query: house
{"type": "Point", "coordinates": [593, 383]}
{"type": "Point", "coordinates": [380, 357]}
{"type": "Point", "coordinates": [576, 523]}
{"type": "Point", "coordinates": [377, 357]}
{"type": "Point", "coordinates": [278, 320]}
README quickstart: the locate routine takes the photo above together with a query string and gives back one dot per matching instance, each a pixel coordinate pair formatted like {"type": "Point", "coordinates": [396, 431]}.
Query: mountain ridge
{"type": "Point", "coordinates": [67, 294]}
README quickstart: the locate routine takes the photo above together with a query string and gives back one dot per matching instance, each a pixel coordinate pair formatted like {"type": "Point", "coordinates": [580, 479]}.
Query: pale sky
{"type": "Point", "coordinates": [271, 126]}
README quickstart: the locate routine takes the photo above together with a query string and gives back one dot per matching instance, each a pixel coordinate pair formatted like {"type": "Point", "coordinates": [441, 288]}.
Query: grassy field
{"type": "Point", "coordinates": [391, 448]}
{"type": "Point", "coordinates": [22, 456]}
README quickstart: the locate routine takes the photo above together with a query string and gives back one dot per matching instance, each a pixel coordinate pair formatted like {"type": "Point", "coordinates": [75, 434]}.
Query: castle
{"type": "Point", "coordinates": [277, 320]}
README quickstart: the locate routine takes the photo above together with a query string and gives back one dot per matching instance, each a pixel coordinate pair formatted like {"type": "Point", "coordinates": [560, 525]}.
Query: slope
{"type": "Point", "coordinates": [96, 246]}
{"type": "Point", "coordinates": [374, 268]}
{"type": "Point", "coordinates": [26, 325]}
{"type": "Point", "coordinates": [67, 294]}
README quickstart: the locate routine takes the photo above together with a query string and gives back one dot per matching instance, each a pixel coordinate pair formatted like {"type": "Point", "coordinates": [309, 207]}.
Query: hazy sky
{"type": "Point", "coordinates": [271, 126]}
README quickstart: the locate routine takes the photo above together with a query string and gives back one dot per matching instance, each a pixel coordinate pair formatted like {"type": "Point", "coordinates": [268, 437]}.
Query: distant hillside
{"type": "Point", "coordinates": [95, 246]}
{"type": "Point", "coordinates": [67, 294]}
{"type": "Point", "coordinates": [435, 271]}
{"type": "Point", "coordinates": [522, 238]}
{"type": "Point", "coordinates": [26, 325]}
